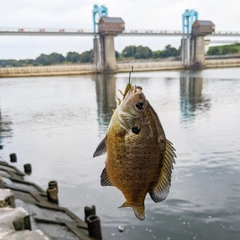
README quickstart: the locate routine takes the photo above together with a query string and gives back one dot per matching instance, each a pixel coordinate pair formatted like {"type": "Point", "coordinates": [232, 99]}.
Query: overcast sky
{"type": "Point", "coordinates": [77, 14]}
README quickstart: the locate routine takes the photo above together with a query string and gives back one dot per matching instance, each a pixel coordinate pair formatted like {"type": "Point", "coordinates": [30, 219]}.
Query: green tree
{"type": "Point", "coordinates": [228, 49]}
{"type": "Point", "coordinates": [44, 59]}
{"type": "Point", "coordinates": [143, 52]}
{"type": "Point", "coordinates": [29, 61]}
{"type": "Point", "coordinates": [171, 51]}
{"type": "Point", "coordinates": [129, 51]}
{"type": "Point", "coordinates": [86, 56]}
{"type": "Point", "coordinates": [156, 54]}
{"type": "Point", "coordinates": [117, 54]}
{"type": "Point", "coordinates": [57, 58]}
{"type": "Point", "coordinates": [73, 57]}
{"type": "Point", "coordinates": [223, 50]}
{"type": "Point", "coordinates": [213, 51]}
{"type": "Point", "coordinates": [8, 63]}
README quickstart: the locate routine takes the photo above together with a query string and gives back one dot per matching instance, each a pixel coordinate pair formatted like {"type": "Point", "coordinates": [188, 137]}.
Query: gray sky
{"type": "Point", "coordinates": [77, 14]}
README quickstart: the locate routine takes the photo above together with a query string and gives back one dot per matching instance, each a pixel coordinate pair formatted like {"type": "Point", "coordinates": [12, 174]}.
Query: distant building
{"type": "Point", "coordinates": [202, 27]}
{"type": "Point", "coordinates": [111, 25]}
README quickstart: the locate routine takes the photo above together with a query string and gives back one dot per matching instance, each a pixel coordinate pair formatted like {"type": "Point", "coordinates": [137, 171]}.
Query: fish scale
{"type": "Point", "coordinates": [139, 157]}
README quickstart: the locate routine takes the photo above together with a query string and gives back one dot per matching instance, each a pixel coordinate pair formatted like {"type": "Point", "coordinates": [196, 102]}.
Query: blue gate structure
{"type": "Point", "coordinates": [188, 18]}
{"type": "Point", "coordinates": [100, 10]}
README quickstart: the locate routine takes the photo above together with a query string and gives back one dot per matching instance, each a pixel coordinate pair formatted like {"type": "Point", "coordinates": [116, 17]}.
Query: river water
{"type": "Point", "coordinates": [55, 123]}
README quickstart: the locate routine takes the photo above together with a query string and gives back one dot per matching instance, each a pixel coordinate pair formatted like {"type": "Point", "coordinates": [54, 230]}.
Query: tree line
{"type": "Point", "coordinates": [51, 59]}
{"type": "Point", "coordinates": [223, 50]}
{"type": "Point", "coordinates": [129, 52]}
{"type": "Point", "coordinates": [141, 52]}
{"type": "Point", "coordinates": [137, 52]}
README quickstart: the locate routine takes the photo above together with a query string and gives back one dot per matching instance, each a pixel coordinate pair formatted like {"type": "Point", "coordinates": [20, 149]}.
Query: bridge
{"type": "Point", "coordinates": [192, 37]}
{"type": "Point", "coordinates": [89, 32]}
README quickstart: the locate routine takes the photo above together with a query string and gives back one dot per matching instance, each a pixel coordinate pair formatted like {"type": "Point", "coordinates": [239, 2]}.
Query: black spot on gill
{"type": "Point", "coordinates": [139, 105]}
{"type": "Point", "coordinates": [136, 130]}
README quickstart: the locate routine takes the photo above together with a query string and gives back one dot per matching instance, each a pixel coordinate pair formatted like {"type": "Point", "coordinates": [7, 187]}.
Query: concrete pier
{"type": "Point", "coordinates": [109, 58]}
{"type": "Point", "coordinates": [193, 48]}
{"type": "Point", "coordinates": [108, 28]}
{"type": "Point", "coordinates": [97, 54]}
{"type": "Point", "coordinates": [27, 213]}
{"type": "Point", "coordinates": [197, 59]}
{"type": "Point", "coordinates": [185, 51]}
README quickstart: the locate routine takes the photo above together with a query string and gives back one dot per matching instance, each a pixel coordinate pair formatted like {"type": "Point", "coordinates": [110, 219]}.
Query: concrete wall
{"type": "Point", "coordinates": [150, 66]}
{"type": "Point", "coordinates": [185, 51]}
{"type": "Point", "coordinates": [97, 54]}
{"type": "Point", "coordinates": [223, 63]}
{"type": "Point", "coordinates": [109, 59]}
{"type": "Point", "coordinates": [199, 59]}
{"type": "Point", "coordinates": [56, 70]}
{"type": "Point", "coordinates": [192, 52]}
{"type": "Point", "coordinates": [65, 70]}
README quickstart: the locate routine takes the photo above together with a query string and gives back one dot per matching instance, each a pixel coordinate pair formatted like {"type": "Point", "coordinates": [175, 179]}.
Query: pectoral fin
{"type": "Point", "coordinates": [101, 148]}
{"type": "Point", "coordinates": [105, 181]}
{"type": "Point", "coordinates": [159, 191]}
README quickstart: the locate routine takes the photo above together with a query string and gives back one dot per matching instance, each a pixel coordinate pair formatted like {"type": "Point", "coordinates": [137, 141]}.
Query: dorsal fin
{"type": "Point", "coordinates": [101, 148]}
{"type": "Point", "coordinates": [128, 87]}
{"type": "Point", "coordinates": [104, 179]}
{"type": "Point", "coordinates": [160, 190]}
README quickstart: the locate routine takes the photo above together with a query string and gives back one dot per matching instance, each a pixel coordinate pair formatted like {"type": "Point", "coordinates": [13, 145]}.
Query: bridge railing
{"type": "Point", "coordinates": [226, 32]}
{"type": "Point", "coordinates": [76, 31]}
{"type": "Point", "coordinates": [152, 31]}
{"type": "Point", "coordinates": [47, 30]}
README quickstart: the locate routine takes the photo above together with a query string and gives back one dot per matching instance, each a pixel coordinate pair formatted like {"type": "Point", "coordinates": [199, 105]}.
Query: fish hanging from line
{"type": "Point", "coordinates": [139, 157]}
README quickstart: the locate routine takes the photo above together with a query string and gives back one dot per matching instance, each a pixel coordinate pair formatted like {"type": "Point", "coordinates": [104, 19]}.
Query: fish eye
{"type": "Point", "coordinates": [139, 105]}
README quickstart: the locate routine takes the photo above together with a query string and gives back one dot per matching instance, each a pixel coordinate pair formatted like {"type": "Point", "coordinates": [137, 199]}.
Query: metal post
{"type": "Point", "coordinates": [94, 227]}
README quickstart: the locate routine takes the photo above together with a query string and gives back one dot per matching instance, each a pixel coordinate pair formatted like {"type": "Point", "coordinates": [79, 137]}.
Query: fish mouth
{"type": "Point", "coordinates": [136, 93]}
{"type": "Point", "coordinates": [135, 100]}
{"type": "Point", "coordinates": [137, 89]}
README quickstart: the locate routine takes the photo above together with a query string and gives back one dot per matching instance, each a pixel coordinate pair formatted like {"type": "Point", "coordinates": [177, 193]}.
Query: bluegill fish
{"type": "Point", "coordinates": [139, 157]}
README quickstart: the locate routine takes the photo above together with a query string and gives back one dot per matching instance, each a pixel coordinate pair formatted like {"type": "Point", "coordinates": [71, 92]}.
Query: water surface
{"type": "Point", "coordinates": [55, 123]}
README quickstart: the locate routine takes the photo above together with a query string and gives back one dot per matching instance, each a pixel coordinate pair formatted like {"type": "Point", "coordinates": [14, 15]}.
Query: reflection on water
{"type": "Point", "coordinates": [106, 98]}
{"type": "Point", "coordinates": [5, 128]}
{"type": "Point", "coordinates": [55, 123]}
{"type": "Point", "coordinates": [192, 98]}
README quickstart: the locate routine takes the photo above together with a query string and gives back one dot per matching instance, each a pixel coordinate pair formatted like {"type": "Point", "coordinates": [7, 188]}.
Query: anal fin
{"type": "Point", "coordinates": [138, 210]}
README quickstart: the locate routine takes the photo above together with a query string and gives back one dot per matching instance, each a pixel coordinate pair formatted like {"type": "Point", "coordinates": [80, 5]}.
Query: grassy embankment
{"type": "Point", "coordinates": [224, 49]}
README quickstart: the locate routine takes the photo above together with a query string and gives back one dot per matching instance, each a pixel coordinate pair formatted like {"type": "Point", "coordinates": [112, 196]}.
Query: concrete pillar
{"type": "Point", "coordinates": [97, 55]}
{"type": "Point", "coordinates": [182, 50]}
{"type": "Point", "coordinates": [206, 42]}
{"type": "Point", "coordinates": [185, 51]}
{"type": "Point", "coordinates": [192, 52]}
{"type": "Point", "coordinates": [108, 53]}
{"type": "Point", "coordinates": [199, 58]}
{"type": "Point", "coordinates": [200, 47]}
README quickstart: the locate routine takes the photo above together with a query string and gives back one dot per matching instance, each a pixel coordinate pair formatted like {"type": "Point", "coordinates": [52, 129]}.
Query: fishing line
{"type": "Point", "coordinates": [132, 44]}
{"type": "Point", "coordinates": [129, 80]}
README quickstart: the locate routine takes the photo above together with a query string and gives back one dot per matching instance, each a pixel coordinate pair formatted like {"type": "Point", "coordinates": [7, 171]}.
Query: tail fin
{"type": "Point", "coordinates": [138, 210]}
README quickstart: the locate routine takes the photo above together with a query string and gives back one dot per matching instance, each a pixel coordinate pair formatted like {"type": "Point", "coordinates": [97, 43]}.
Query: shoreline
{"type": "Point", "coordinates": [82, 69]}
